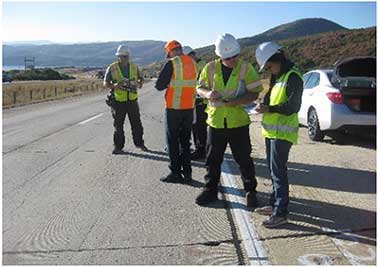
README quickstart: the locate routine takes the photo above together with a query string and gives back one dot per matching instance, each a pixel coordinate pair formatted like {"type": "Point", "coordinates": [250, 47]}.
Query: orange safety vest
{"type": "Point", "coordinates": [181, 92]}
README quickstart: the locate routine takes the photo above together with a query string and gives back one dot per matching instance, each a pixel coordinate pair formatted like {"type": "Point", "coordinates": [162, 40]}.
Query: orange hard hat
{"type": "Point", "coordinates": [170, 45]}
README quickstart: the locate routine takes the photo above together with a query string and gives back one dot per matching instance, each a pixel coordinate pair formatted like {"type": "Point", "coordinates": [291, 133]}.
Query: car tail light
{"type": "Point", "coordinates": [336, 98]}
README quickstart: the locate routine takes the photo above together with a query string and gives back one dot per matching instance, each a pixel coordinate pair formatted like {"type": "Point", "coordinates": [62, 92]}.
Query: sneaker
{"type": "Point", "coordinates": [207, 196]}
{"type": "Point", "coordinates": [266, 210]}
{"type": "Point", "coordinates": [142, 147]}
{"type": "Point", "coordinates": [251, 199]}
{"type": "Point", "coordinates": [187, 177]}
{"type": "Point", "coordinates": [172, 178]}
{"type": "Point", "coordinates": [274, 221]}
{"type": "Point", "coordinates": [117, 151]}
{"type": "Point", "coordinates": [198, 154]}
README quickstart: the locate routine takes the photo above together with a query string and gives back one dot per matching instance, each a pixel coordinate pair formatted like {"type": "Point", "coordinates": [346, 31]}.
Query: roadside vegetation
{"type": "Point", "coordinates": [37, 74]}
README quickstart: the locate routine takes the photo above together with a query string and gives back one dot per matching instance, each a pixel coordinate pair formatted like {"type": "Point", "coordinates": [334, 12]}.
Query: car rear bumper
{"type": "Point", "coordinates": [342, 116]}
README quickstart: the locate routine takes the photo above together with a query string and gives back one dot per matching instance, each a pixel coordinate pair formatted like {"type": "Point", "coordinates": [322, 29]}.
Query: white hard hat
{"type": "Point", "coordinates": [264, 51]}
{"type": "Point", "coordinates": [226, 46]}
{"type": "Point", "coordinates": [122, 50]}
{"type": "Point", "coordinates": [187, 50]}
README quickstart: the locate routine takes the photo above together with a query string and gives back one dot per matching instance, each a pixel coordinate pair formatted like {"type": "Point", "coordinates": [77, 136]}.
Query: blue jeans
{"type": "Point", "coordinates": [277, 154]}
{"type": "Point", "coordinates": [178, 127]}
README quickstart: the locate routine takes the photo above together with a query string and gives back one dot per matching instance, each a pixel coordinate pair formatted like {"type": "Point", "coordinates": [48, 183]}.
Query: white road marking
{"type": "Point", "coordinates": [92, 118]}
{"type": "Point", "coordinates": [256, 253]}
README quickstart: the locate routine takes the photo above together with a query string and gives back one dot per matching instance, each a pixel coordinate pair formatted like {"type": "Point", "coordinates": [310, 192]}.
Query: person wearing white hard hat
{"type": "Point", "coordinates": [279, 125]}
{"type": "Point", "coordinates": [123, 78]}
{"type": "Point", "coordinates": [228, 122]}
{"type": "Point", "coordinates": [199, 127]}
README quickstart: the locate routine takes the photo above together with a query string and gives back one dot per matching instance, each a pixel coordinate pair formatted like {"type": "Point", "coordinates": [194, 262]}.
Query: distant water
{"type": "Point", "coordinates": [13, 67]}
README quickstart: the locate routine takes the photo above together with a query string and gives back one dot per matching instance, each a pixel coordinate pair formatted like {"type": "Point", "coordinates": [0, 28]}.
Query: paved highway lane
{"type": "Point", "coordinates": [68, 200]}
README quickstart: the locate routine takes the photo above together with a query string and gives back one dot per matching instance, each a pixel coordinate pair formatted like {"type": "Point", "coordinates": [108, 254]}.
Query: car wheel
{"type": "Point", "coordinates": [314, 131]}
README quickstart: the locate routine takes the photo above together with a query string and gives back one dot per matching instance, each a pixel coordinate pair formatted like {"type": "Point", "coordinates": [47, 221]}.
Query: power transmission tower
{"type": "Point", "coordinates": [29, 63]}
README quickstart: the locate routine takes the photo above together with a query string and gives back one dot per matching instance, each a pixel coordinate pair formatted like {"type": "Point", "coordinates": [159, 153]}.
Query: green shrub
{"type": "Point", "coordinates": [38, 74]}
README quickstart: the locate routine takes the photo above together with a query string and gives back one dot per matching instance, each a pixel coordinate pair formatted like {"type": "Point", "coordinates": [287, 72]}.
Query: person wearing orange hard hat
{"type": "Point", "coordinates": [178, 77]}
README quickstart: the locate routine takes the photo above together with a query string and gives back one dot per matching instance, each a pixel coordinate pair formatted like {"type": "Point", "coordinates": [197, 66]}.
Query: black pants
{"type": "Point", "coordinates": [199, 128]}
{"type": "Point", "coordinates": [119, 111]}
{"type": "Point", "coordinates": [241, 148]}
{"type": "Point", "coordinates": [178, 125]}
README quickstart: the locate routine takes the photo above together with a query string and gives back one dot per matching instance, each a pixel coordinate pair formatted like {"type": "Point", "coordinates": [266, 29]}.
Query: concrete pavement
{"type": "Point", "coordinates": [68, 200]}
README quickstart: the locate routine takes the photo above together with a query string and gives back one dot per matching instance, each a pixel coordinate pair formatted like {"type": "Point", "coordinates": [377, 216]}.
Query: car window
{"type": "Point", "coordinates": [305, 78]}
{"type": "Point", "coordinates": [313, 81]}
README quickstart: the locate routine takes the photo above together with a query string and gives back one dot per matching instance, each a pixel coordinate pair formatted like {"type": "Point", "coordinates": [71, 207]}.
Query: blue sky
{"type": "Point", "coordinates": [192, 23]}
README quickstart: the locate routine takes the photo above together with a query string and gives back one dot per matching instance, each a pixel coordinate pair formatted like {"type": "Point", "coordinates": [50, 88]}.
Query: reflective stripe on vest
{"type": "Point", "coordinates": [282, 128]}
{"type": "Point", "coordinates": [279, 126]}
{"type": "Point", "coordinates": [117, 75]}
{"type": "Point", "coordinates": [180, 93]}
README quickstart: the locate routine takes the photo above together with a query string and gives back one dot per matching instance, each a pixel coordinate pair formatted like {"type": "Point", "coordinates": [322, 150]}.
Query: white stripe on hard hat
{"type": "Point", "coordinates": [264, 51]}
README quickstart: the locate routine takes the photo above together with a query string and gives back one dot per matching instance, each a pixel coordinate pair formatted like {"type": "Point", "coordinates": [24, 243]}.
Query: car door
{"type": "Point", "coordinates": [302, 114]}
{"type": "Point", "coordinates": [309, 93]}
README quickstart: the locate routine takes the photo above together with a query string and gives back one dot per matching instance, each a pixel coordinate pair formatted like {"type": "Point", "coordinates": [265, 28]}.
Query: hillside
{"type": "Point", "coordinates": [82, 55]}
{"type": "Point", "coordinates": [298, 28]}
{"type": "Point", "coordinates": [320, 50]}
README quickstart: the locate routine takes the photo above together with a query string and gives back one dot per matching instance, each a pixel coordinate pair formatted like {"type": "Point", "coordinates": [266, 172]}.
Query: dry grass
{"type": "Point", "coordinates": [21, 93]}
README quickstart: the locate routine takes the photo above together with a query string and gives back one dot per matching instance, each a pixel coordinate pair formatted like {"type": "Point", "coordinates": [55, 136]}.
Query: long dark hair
{"type": "Point", "coordinates": [278, 57]}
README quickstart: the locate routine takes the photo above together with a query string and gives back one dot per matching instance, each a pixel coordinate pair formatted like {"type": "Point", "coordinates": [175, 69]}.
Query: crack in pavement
{"type": "Point", "coordinates": [207, 243]}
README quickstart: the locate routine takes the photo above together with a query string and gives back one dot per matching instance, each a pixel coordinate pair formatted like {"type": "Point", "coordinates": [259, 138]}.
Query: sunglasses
{"type": "Point", "coordinates": [229, 58]}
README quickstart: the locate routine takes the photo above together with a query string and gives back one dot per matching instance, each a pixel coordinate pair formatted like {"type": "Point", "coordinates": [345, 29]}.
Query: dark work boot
{"type": "Point", "coordinates": [198, 154]}
{"type": "Point", "coordinates": [251, 199]}
{"type": "Point", "coordinates": [117, 151]}
{"type": "Point", "coordinates": [172, 178]}
{"type": "Point", "coordinates": [274, 221]}
{"type": "Point", "coordinates": [207, 196]}
{"type": "Point", "coordinates": [187, 177]}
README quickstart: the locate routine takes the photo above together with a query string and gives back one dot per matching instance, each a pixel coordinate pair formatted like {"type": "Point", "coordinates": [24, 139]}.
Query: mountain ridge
{"type": "Point", "coordinates": [147, 52]}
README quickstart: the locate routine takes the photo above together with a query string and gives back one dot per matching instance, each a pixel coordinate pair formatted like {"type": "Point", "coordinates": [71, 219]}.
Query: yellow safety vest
{"type": "Point", "coordinates": [276, 125]}
{"type": "Point", "coordinates": [234, 116]}
{"type": "Point", "coordinates": [200, 65]}
{"type": "Point", "coordinates": [121, 95]}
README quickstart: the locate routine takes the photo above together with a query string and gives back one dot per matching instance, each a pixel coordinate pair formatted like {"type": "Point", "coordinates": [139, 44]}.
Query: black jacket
{"type": "Point", "coordinates": [165, 75]}
{"type": "Point", "coordinates": [294, 91]}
